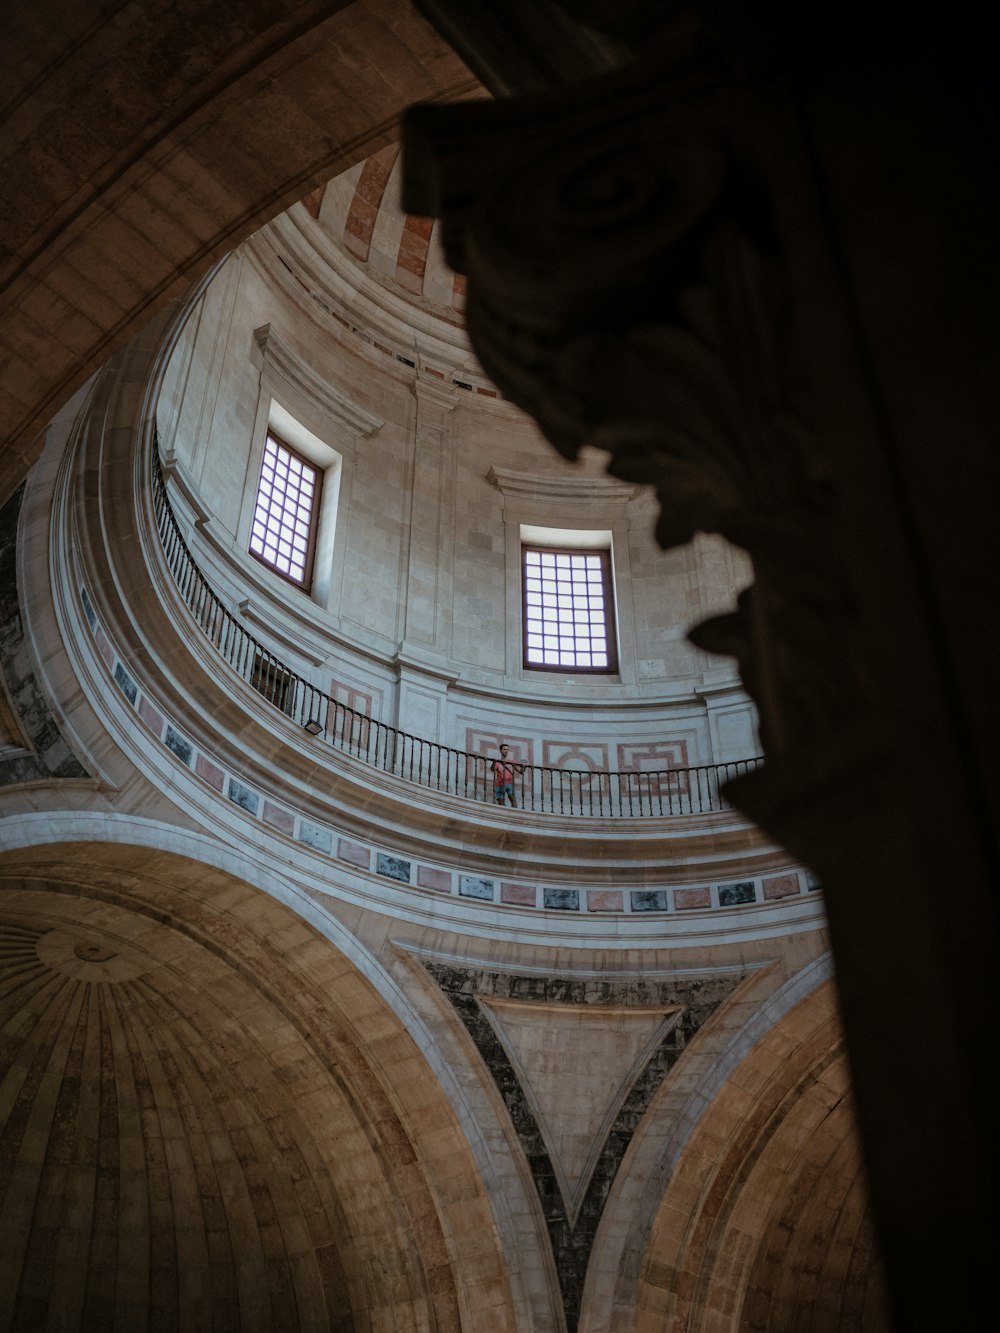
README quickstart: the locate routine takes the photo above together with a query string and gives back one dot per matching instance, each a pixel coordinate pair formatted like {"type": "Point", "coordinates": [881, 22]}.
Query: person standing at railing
{"type": "Point", "coordinates": [504, 769]}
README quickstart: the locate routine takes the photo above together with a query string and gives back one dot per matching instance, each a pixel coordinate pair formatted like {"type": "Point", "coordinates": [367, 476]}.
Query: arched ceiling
{"type": "Point", "coordinates": [143, 142]}
{"type": "Point", "coordinates": [359, 210]}
{"type": "Point", "coordinates": [202, 1119]}
{"type": "Point", "coordinates": [765, 1224]}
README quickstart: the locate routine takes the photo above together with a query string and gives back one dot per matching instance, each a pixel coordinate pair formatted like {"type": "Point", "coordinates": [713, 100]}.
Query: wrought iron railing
{"type": "Point", "coordinates": [669, 791]}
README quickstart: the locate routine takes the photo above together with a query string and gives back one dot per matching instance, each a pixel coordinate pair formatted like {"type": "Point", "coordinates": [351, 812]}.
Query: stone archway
{"type": "Point", "coordinates": [143, 143]}
{"type": "Point", "coordinates": [765, 1223]}
{"type": "Point", "coordinates": [199, 1132]}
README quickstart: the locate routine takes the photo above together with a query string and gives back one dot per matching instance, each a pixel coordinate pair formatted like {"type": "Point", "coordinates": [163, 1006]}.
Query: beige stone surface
{"type": "Point", "coordinates": [230, 1095]}
{"type": "Point", "coordinates": [576, 1066]}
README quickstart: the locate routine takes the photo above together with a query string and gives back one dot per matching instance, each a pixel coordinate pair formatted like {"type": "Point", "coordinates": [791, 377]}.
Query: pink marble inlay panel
{"type": "Point", "coordinates": [488, 743]}
{"type": "Point", "coordinates": [278, 817]}
{"type": "Point", "coordinates": [519, 895]}
{"type": "Point", "coordinates": [590, 758]}
{"type": "Point", "coordinates": [780, 886]}
{"type": "Point", "coordinates": [211, 773]}
{"type": "Point", "coordinates": [430, 878]}
{"type": "Point", "coordinates": [353, 853]}
{"type": "Point", "coordinates": [152, 717]}
{"type": "Point", "coordinates": [104, 647]}
{"type": "Point", "coordinates": [686, 899]}
{"type": "Point", "coordinates": [605, 900]}
{"type": "Point", "coordinates": [652, 758]}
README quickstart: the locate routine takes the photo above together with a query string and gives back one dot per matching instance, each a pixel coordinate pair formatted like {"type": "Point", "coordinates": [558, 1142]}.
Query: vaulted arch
{"type": "Point", "coordinates": [211, 1110]}
{"type": "Point", "coordinates": [143, 144]}
{"type": "Point", "coordinates": [764, 1224]}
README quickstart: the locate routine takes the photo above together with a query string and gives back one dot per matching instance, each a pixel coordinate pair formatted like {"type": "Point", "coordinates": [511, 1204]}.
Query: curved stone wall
{"type": "Point", "coordinates": [535, 1015]}
{"type": "Point", "coordinates": [330, 1014]}
{"type": "Point", "coordinates": [414, 616]}
{"type": "Point", "coordinates": [229, 761]}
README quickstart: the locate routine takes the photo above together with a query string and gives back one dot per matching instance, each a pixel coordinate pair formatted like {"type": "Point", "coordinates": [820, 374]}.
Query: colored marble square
{"type": "Point", "coordinates": [430, 878]}
{"type": "Point", "coordinates": [211, 773]}
{"type": "Point", "coordinates": [393, 867]}
{"type": "Point", "coordinates": [649, 900]}
{"type": "Point", "coordinates": [519, 895]}
{"type": "Point", "coordinates": [734, 895]}
{"type": "Point", "coordinates": [243, 796]}
{"type": "Point", "coordinates": [125, 683]}
{"type": "Point", "coordinates": [103, 646]}
{"type": "Point", "coordinates": [472, 886]}
{"type": "Point", "coordinates": [320, 839]}
{"type": "Point", "coordinates": [687, 900]}
{"type": "Point", "coordinates": [181, 747]}
{"type": "Point", "coordinates": [152, 717]}
{"type": "Point", "coordinates": [561, 900]}
{"type": "Point", "coordinates": [812, 883]}
{"type": "Point", "coordinates": [780, 886]}
{"type": "Point", "coordinates": [88, 609]}
{"type": "Point", "coordinates": [354, 854]}
{"type": "Point", "coordinates": [605, 900]}
{"type": "Point", "coordinates": [279, 817]}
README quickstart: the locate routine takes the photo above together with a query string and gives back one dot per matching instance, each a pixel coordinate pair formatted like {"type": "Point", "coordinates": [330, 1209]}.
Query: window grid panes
{"type": "Point", "coordinates": [284, 517]}
{"type": "Point", "coordinates": [568, 612]}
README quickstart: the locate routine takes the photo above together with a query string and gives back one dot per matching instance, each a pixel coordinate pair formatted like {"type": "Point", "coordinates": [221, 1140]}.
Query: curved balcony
{"type": "Point", "coordinates": [441, 768]}
{"type": "Point", "coordinates": [374, 815]}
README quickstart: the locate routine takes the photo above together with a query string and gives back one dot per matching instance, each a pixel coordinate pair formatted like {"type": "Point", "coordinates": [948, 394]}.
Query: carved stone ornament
{"type": "Point", "coordinates": [628, 286]}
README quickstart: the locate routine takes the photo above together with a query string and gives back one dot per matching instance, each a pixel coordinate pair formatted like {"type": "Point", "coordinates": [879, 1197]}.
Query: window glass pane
{"type": "Point", "coordinates": [566, 611]}
{"type": "Point", "coordinates": [285, 511]}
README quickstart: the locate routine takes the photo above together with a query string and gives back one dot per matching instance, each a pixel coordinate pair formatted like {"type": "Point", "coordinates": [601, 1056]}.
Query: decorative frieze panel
{"type": "Point", "coordinates": [653, 760]}
{"type": "Point", "coordinates": [581, 756]}
{"type": "Point", "coordinates": [352, 728]}
{"type": "Point", "coordinates": [487, 743]}
{"type": "Point", "coordinates": [271, 813]}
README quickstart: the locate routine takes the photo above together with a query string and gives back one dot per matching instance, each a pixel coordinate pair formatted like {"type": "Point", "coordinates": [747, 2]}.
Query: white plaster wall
{"type": "Point", "coordinates": [418, 606]}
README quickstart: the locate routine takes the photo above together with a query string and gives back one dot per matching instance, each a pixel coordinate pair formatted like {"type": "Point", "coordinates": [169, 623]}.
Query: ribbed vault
{"type": "Point", "coordinates": [194, 1136]}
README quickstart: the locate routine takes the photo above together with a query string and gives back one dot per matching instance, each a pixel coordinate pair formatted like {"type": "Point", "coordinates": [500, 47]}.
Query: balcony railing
{"type": "Point", "coordinates": [667, 791]}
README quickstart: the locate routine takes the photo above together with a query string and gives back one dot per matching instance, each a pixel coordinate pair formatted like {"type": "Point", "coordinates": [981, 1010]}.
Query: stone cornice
{"type": "Point", "coordinates": [531, 485]}
{"type": "Point", "coordinates": [282, 361]}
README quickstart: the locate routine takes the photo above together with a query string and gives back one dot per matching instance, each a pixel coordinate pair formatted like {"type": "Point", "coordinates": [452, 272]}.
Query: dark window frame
{"type": "Point", "coordinates": [610, 616]}
{"type": "Point", "coordinates": [305, 583]}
